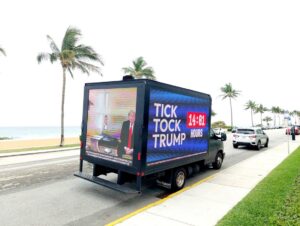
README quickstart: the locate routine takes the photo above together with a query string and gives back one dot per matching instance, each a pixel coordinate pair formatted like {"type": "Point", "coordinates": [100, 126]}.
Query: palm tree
{"type": "Point", "coordinates": [252, 106]}
{"type": "Point", "coordinates": [295, 114]}
{"type": "Point", "coordinates": [267, 119]}
{"type": "Point", "coordinates": [282, 112]}
{"type": "Point", "coordinates": [275, 111]}
{"type": "Point", "coordinates": [260, 109]}
{"type": "Point", "coordinates": [139, 69]}
{"type": "Point", "coordinates": [298, 115]}
{"type": "Point", "coordinates": [2, 51]}
{"type": "Point", "coordinates": [71, 56]}
{"type": "Point", "coordinates": [229, 92]}
{"type": "Point", "coordinates": [292, 114]}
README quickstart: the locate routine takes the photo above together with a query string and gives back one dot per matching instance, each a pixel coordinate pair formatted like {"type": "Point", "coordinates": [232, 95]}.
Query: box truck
{"type": "Point", "coordinates": [141, 129]}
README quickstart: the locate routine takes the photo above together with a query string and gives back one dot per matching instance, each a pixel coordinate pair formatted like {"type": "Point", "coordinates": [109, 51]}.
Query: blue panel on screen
{"type": "Point", "coordinates": [178, 126]}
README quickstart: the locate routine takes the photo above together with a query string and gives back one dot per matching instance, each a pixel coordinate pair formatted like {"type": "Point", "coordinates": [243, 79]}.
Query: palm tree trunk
{"type": "Point", "coordinates": [261, 120]}
{"type": "Point", "coordinates": [62, 138]}
{"type": "Point", "coordinates": [252, 117]}
{"type": "Point", "coordinates": [274, 120]}
{"type": "Point", "coordinates": [231, 113]}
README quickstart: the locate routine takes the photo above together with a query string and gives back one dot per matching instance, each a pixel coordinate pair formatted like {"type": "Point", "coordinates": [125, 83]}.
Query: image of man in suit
{"type": "Point", "coordinates": [127, 138]}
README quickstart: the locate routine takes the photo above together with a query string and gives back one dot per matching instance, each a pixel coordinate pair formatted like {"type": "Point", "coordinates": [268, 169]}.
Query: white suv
{"type": "Point", "coordinates": [251, 137]}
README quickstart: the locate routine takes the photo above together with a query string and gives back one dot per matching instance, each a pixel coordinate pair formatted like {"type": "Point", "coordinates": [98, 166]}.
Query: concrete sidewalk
{"type": "Point", "coordinates": [206, 203]}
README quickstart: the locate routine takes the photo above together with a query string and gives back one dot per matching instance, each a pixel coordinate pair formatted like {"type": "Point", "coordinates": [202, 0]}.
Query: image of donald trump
{"type": "Point", "coordinates": [127, 138]}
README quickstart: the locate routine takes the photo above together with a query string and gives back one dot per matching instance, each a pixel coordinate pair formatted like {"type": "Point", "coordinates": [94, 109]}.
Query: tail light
{"type": "Point", "coordinates": [235, 136]}
{"type": "Point", "coordinates": [253, 136]}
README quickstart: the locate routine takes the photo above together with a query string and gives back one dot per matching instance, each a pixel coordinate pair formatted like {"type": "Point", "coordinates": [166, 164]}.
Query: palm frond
{"type": "Point", "coordinates": [128, 70]}
{"type": "Point", "coordinates": [82, 68]}
{"type": "Point", "coordinates": [2, 51]}
{"type": "Point", "coordinates": [54, 57]}
{"type": "Point", "coordinates": [43, 57]}
{"type": "Point", "coordinates": [148, 71]}
{"type": "Point", "coordinates": [89, 67]}
{"type": "Point", "coordinates": [53, 46]}
{"type": "Point", "coordinates": [71, 73]}
{"type": "Point", "coordinates": [87, 53]}
{"type": "Point", "coordinates": [71, 37]}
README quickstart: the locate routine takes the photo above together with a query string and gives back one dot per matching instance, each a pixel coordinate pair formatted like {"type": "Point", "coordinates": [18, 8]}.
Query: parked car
{"type": "Point", "coordinates": [297, 130]}
{"type": "Point", "coordinates": [218, 131]}
{"type": "Point", "coordinates": [250, 137]}
{"type": "Point", "coordinates": [233, 130]}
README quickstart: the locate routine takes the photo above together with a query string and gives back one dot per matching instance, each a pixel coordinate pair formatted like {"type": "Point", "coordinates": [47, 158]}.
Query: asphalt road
{"type": "Point", "coordinates": [41, 189]}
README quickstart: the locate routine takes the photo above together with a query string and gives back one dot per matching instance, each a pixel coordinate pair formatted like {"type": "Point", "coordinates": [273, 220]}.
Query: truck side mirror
{"type": "Point", "coordinates": [223, 136]}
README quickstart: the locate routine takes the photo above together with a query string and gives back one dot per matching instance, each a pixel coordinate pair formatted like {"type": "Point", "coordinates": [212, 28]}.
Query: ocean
{"type": "Point", "coordinates": [38, 132]}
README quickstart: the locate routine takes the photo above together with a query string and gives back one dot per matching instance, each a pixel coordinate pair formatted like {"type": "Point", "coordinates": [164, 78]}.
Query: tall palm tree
{"type": "Point", "coordinates": [281, 113]}
{"type": "Point", "coordinates": [2, 51]}
{"type": "Point", "coordinates": [252, 106]}
{"type": "Point", "coordinates": [260, 109]}
{"type": "Point", "coordinates": [71, 56]}
{"type": "Point", "coordinates": [139, 69]}
{"type": "Point", "coordinates": [295, 114]}
{"type": "Point", "coordinates": [229, 92]}
{"type": "Point", "coordinates": [275, 111]}
{"type": "Point", "coordinates": [298, 115]}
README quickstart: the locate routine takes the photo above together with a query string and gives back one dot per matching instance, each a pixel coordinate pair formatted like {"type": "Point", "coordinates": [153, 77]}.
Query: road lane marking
{"type": "Point", "coordinates": [120, 220]}
{"type": "Point", "coordinates": [12, 167]}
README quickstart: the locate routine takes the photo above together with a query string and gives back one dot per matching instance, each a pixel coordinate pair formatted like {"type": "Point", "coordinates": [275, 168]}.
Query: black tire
{"type": "Point", "coordinates": [235, 146]}
{"type": "Point", "coordinates": [178, 179]}
{"type": "Point", "coordinates": [267, 143]}
{"type": "Point", "coordinates": [196, 168]}
{"type": "Point", "coordinates": [190, 171]}
{"type": "Point", "coordinates": [258, 145]}
{"type": "Point", "coordinates": [217, 164]}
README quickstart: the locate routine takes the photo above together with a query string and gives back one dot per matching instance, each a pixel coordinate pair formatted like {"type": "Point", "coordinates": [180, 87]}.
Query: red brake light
{"type": "Point", "coordinates": [253, 136]}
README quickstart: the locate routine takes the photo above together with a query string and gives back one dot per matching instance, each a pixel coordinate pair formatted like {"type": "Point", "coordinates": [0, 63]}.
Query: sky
{"type": "Point", "coordinates": [199, 45]}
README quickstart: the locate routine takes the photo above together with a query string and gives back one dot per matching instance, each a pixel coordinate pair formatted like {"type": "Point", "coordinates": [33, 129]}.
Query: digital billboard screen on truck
{"type": "Point", "coordinates": [110, 124]}
{"type": "Point", "coordinates": [178, 126]}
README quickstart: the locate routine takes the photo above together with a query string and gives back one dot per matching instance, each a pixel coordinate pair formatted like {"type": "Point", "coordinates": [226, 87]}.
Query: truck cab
{"type": "Point", "coordinates": [216, 148]}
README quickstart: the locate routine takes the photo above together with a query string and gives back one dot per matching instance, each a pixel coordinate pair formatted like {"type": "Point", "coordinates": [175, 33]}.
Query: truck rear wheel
{"type": "Point", "coordinates": [178, 179]}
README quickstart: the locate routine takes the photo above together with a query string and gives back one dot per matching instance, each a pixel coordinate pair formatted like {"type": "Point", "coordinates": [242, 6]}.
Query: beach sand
{"type": "Point", "coordinates": [19, 144]}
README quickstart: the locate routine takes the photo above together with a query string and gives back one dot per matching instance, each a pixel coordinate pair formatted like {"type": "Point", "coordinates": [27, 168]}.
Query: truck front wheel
{"type": "Point", "coordinates": [178, 180]}
{"type": "Point", "coordinates": [218, 161]}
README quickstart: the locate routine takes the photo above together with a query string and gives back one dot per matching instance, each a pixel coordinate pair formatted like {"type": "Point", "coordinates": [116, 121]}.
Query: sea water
{"type": "Point", "coordinates": [38, 132]}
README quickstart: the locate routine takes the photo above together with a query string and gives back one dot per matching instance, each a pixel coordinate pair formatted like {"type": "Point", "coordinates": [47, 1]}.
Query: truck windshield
{"type": "Point", "coordinates": [246, 131]}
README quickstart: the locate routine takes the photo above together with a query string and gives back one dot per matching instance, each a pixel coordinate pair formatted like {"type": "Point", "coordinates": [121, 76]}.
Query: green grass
{"type": "Point", "coordinates": [38, 148]}
{"type": "Point", "coordinates": [274, 201]}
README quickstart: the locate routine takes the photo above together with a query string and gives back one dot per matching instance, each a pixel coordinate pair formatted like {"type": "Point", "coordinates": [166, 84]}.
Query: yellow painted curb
{"type": "Point", "coordinates": [120, 220]}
